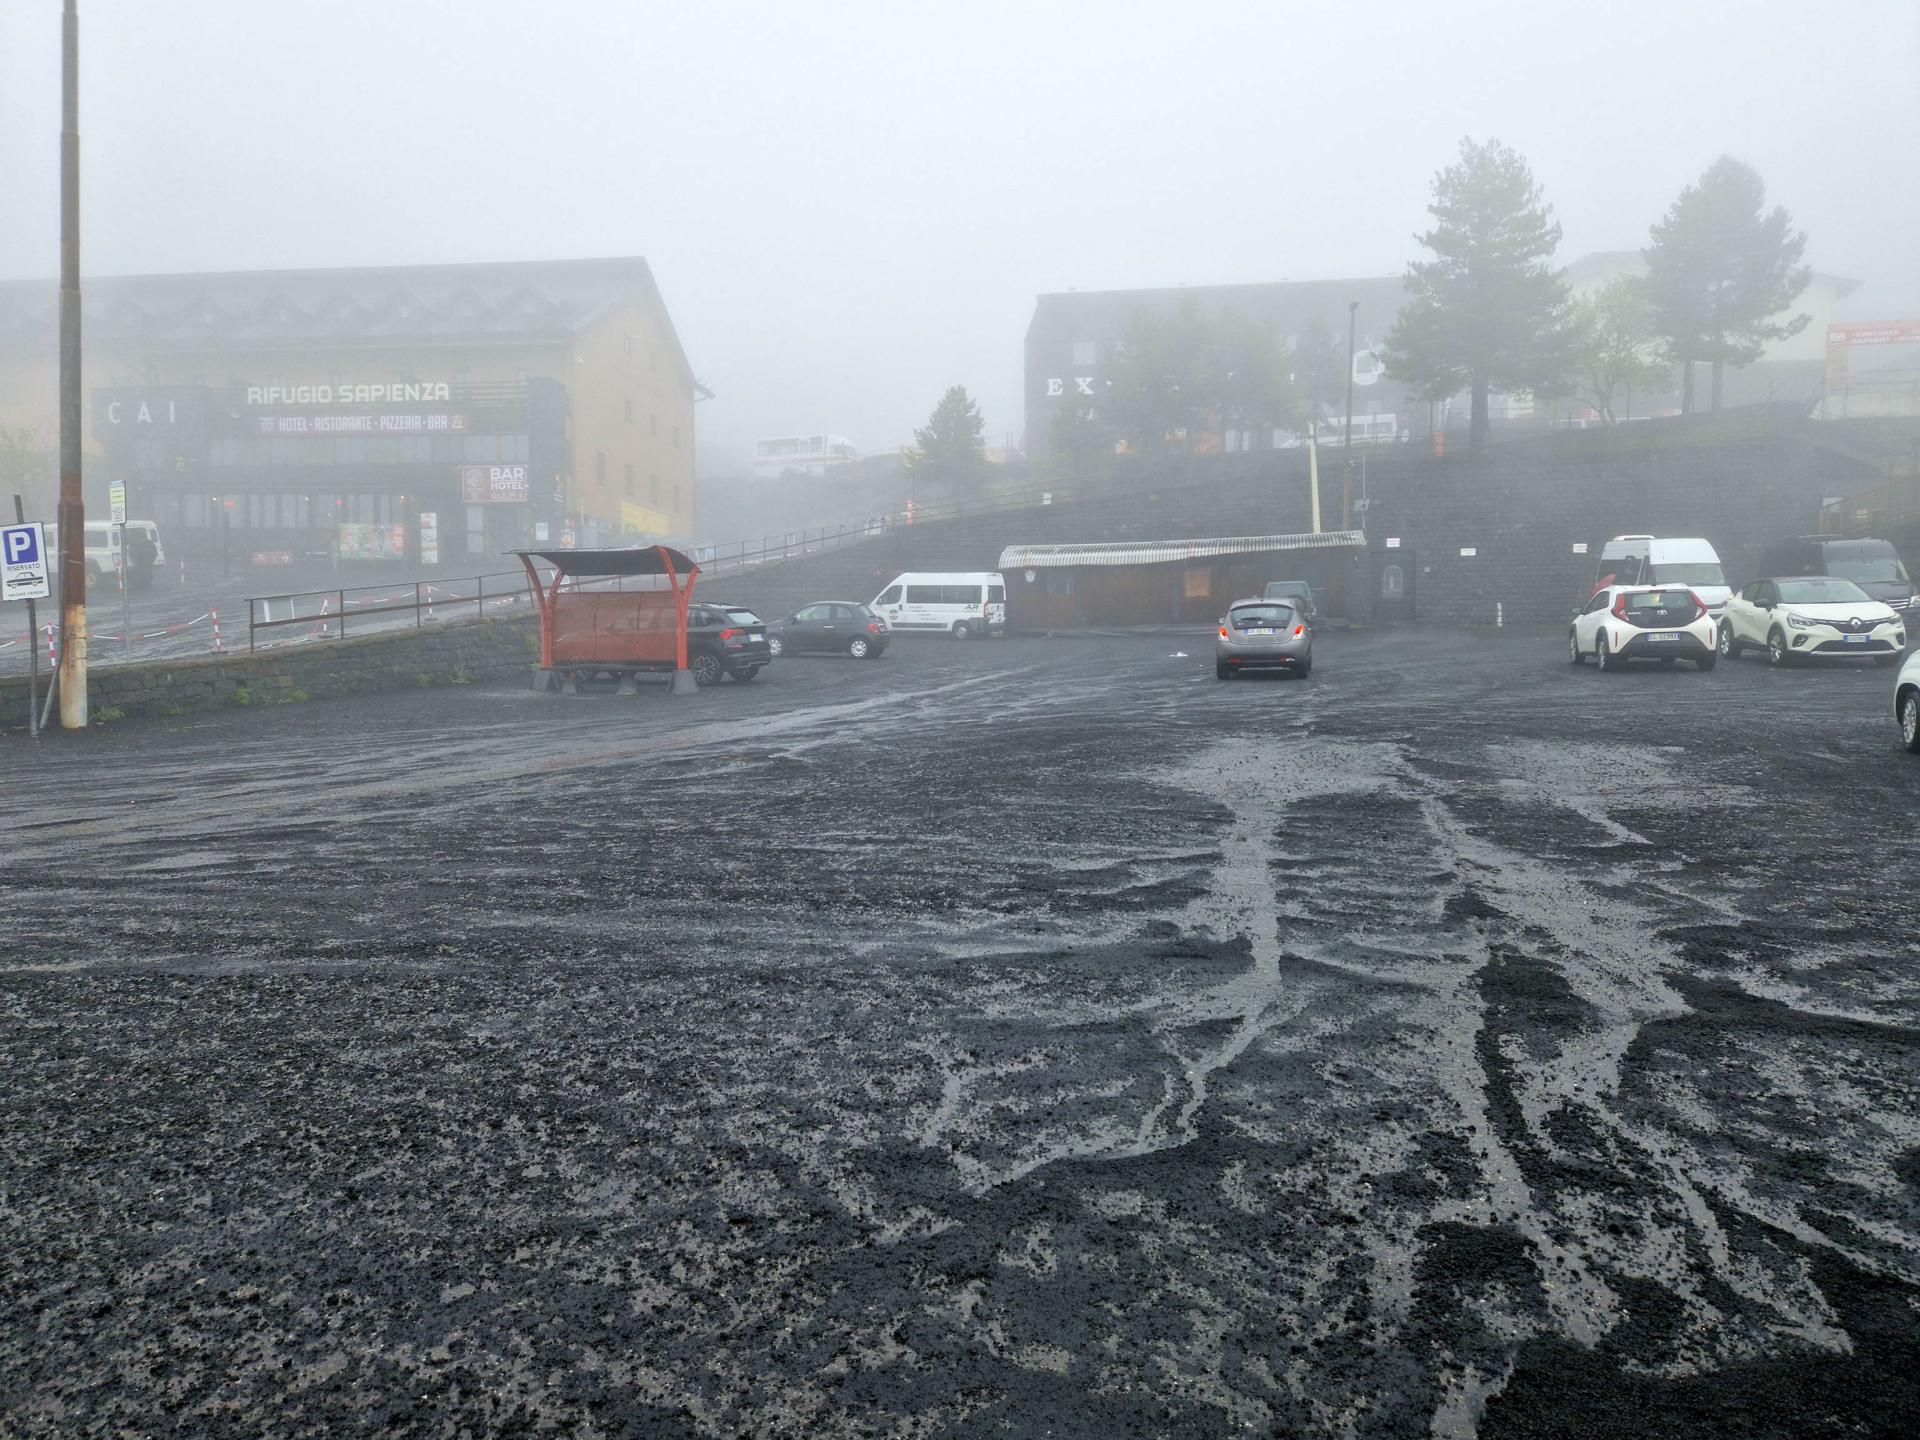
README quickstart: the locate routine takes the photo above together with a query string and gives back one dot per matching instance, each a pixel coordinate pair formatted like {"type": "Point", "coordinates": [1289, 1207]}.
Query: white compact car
{"type": "Point", "coordinates": [1639, 622]}
{"type": "Point", "coordinates": [1906, 702]}
{"type": "Point", "coordinates": [1795, 616]}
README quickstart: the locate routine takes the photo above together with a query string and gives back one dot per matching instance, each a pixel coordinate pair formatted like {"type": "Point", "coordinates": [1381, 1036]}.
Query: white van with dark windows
{"type": "Point", "coordinates": [1653, 560]}
{"type": "Point", "coordinates": [963, 604]}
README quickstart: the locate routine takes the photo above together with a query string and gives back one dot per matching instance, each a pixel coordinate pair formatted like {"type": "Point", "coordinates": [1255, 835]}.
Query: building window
{"type": "Point", "coordinates": [653, 426]}
{"type": "Point", "coordinates": [676, 499]}
{"type": "Point", "coordinates": [628, 402]}
{"type": "Point", "coordinates": [1085, 354]}
{"type": "Point", "coordinates": [629, 481]}
{"type": "Point", "coordinates": [600, 467]}
{"type": "Point", "coordinates": [653, 491]}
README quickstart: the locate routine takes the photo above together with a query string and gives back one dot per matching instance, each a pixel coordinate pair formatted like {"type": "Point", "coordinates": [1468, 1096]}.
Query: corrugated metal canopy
{"type": "Point", "coordinates": [1161, 552]}
{"type": "Point", "coordinates": [638, 560]}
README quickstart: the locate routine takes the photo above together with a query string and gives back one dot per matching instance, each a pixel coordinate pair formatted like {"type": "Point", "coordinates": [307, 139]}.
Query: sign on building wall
{"type": "Point", "coordinates": [429, 537]}
{"type": "Point", "coordinates": [373, 542]}
{"type": "Point", "coordinates": [494, 484]}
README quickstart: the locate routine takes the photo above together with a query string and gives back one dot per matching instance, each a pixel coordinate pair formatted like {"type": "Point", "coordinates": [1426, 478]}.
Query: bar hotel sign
{"type": "Point", "coordinates": [494, 484]}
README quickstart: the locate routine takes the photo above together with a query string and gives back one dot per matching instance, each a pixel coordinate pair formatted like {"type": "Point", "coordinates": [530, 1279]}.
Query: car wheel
{"type": "Point", "coordinates": [746, 674]}
{"type": "Point", "coordinates": [1777, 651]}
{"type": "Point", "coordinates": [1305, 668]}
{"type": "Point", "coordinates": [962, 630]}
{"type": "Point", "coordinates": [776, 647]}
{"type": "Point", "coordinates": [1602, 656]}
{"type": "Point", "coordinates": [1729, 647]}
{"type": "Point", "coordinates": [706, 668]}
{"type": "Point", "coordinates": [1910, 720]}
{"type": "Point", "coordinates": [1706, 661]}
{"type": "Point", "coordinates": [1573, 647]}
{"type": "Point", "coordinates": [1221, 671]}
{"type": "Point", "coordinates": [857, 647]}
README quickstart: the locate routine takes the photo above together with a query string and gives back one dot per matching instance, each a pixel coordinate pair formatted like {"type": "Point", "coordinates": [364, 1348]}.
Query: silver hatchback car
{"type": "Point", "coordinates": [1262, 635]}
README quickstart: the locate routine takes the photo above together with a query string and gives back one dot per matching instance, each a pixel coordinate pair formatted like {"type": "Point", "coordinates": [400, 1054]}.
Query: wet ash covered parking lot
{"type": "Point", "coordinates": [1030, 1037]}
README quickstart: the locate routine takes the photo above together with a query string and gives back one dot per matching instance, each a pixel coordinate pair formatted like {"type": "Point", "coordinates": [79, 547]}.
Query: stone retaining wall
{"type": "Point", "coordinates": [443, 654]}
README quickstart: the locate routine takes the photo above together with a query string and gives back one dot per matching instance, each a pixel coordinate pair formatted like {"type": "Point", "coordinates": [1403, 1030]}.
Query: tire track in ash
{"type": "Point", "coordinates": [1453, 1023]}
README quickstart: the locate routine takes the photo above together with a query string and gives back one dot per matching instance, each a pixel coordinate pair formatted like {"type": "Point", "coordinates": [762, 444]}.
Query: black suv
{"type": "Point", "coordinates": [725, 640]}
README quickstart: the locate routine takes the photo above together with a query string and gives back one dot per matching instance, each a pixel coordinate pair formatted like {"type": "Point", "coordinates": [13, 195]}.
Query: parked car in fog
{"type": "Point", "coordinates": [1874, 565]}
{"type": "Point", "coordinates": [831, 627]}
{"type": "Point", "coordinates": [1297, 593]}
{"type": "Point", "coordinates": [966, 605]}
{"type": "Point", "coordinates": [1906, 703]}
{"type": "Point", "coordinates": [1796, 616]}
{"type": "Point", "coordinates": [725, 640]}
{"type": "Point", "coordinates": [1654, 560]}
{"type": "Point", "coordinates": [1638, 622]}
{"type": "Point", "coordinates": [1260, 634]}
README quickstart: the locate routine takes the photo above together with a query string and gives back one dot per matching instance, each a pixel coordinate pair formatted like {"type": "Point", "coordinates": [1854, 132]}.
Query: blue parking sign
{"type": "Point", "coordinates": [23, 563]}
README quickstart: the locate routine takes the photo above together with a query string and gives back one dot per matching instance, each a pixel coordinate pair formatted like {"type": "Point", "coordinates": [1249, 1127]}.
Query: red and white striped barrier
{"type": "Point", "coordinates": [218, 648]}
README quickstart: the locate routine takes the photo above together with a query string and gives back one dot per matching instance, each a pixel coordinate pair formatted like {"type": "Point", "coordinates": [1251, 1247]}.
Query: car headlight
{"type": "Point", "coordinates": [1804, 622]}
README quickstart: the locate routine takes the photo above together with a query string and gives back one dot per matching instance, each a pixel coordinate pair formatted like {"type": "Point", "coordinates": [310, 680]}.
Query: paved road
{"type": "Point", "coordinates": [1025, 1038]}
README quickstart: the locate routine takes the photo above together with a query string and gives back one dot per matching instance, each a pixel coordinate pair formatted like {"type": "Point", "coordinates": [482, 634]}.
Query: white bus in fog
{"type": "Point", "coordinates": [809, 455]}
{"type": "Point", "coordinates": [962, 605]}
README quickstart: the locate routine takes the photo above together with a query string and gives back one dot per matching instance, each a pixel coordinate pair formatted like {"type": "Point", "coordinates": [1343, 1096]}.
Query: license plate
{"type": "Point", "coordinates": [1854, 639]}
{"type": "Point", "coordinates": [1663, 635]}
{"type": "Point", "coordinates": [1259, 632]}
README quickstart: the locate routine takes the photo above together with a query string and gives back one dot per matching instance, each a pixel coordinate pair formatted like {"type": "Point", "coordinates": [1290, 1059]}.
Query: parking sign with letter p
{"type": "Point", "coordinates": [23, 563]}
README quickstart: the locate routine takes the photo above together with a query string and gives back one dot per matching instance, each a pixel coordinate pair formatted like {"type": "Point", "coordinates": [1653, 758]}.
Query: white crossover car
{"type": "Point", "coordinates": [1796, 616]}
{"type": "Point", "coordinates": [1906, 702]}
{"type": "Point", "coordinates": [1640, 622]}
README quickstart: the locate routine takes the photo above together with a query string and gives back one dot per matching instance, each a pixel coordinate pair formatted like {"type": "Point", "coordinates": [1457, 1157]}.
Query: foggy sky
{"type": "Point", "coordinates": [851, 206]}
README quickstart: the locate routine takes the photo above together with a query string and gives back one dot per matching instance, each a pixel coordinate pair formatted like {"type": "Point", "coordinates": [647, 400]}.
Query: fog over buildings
{"type": "Point", "coordinates": [850, 207]}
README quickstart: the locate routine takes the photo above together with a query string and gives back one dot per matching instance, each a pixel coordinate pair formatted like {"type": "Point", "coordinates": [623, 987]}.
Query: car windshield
{"type": "Point", "coordinates": [1822, 591]}
{"type": "Point", "coordinates": [1868, 569]}
{"type": "Point", "coordinates": [1262, 617]}
{"type": "Point", "coordinates": [744, 617]}
{"type": "Point", "coordinates": [1691, 572]}
{"type": "Point", "coordinates": [1660, 600]}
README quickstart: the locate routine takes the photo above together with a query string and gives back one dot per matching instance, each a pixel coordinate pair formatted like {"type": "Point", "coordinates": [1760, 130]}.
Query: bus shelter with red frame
{"type": "Point", "coordinates": [597, 623]}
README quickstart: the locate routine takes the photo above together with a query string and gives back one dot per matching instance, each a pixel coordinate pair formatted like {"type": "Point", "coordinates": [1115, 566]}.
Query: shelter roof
{"type": "Point", "coordinates": [634, 560]}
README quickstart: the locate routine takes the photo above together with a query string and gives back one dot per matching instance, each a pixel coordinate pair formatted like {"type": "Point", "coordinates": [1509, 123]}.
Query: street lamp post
{"type": "Point", "coordinates": [73, 514]}
{"type": "Point", "coordinates": [1346, 447]}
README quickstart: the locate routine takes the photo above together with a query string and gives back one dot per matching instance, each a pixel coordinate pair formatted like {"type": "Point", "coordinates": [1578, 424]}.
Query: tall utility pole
{"type": "Point", "coordinates": [1346, 448]}
{"type": "Point", "coordinates": [73, 511]}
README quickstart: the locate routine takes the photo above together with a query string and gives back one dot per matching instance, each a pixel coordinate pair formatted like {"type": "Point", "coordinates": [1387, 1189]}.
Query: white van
{"type": "Point", "coordinates": [961, 605]}
{"type": "Point", "coordinates": [1651, 560]}
{"type": "Point", "coordinates": [103, 546]}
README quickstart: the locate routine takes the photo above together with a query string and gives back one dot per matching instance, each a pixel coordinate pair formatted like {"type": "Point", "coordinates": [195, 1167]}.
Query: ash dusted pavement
{"type": "Point", "coordinates": [1024, 1038]}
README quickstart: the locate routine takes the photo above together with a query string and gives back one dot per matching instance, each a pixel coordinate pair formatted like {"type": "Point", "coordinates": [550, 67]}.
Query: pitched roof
{"type": "Point", "coordinates": [318, 309]}
{"type": "Point", "coordinates": [1288, 305]}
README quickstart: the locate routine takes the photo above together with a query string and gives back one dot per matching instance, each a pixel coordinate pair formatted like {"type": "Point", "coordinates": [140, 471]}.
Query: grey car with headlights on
{"type": "Point", "coordinates": [1262, 635]}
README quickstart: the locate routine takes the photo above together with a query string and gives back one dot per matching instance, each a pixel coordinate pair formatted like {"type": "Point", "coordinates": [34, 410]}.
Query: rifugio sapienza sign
{"type": "Point", "coordinates": [494, 484]}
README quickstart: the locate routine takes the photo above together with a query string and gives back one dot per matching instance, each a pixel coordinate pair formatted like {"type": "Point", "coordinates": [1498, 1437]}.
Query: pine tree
{"type": "Point", "coordinates": [1487, 310]}
{"type": "Point", "coordinates": [950, 451]}
{"type": "Point", "coordinates": [1720, 271]}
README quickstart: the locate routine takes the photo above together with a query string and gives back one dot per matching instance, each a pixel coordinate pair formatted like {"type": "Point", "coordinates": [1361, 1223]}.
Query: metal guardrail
{"type": "Point", "coordinates": [325, 613]}
{"type": "Point", "coordinates": [770, 549]}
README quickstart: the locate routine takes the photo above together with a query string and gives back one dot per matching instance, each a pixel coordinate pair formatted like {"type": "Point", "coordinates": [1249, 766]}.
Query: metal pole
{"type": "Point", "coordinates": [33, 635]}
{"type": "Point", "coordinates": [126, 595]}
{"type": "Point", "coordinates": [1313, 475]}
{"type": "Point", "coordinates": [1346, 452]}
{"type": "Point", "coordinates": [73, 510]}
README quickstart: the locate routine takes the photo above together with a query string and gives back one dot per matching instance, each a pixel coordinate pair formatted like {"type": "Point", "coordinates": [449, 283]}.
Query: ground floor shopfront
{"type": "Point", "coordinates": [416, 476]}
